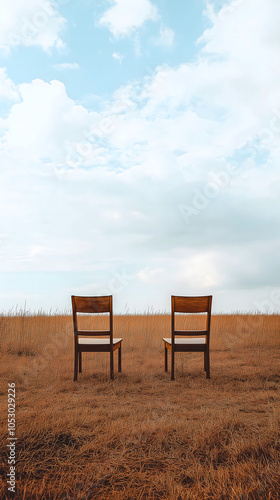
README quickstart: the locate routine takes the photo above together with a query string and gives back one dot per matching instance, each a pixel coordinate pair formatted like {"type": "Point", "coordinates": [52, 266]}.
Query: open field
{"type": "Point", "coordinates": [143, 436]}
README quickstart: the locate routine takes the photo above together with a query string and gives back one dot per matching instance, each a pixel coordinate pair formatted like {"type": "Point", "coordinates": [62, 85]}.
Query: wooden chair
{"type": "Point", "coordinates": [85, 340]}
{"type": "Point", "coordinates": [189, 340]}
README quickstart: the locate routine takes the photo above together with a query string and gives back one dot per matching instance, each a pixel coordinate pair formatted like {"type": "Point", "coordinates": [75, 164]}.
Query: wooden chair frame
{"type": "Point", "coordinates": [191, 340]}
{"type": "Point", "coordinates": [85, 340]}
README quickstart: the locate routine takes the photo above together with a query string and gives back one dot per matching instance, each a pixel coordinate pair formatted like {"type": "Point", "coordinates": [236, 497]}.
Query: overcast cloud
{"type": "Point", "coordinates": [167, 185]}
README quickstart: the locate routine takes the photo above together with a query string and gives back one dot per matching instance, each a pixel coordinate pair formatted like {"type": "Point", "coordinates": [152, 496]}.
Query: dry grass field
{"type": "Point", "coordinates": [143, 436]}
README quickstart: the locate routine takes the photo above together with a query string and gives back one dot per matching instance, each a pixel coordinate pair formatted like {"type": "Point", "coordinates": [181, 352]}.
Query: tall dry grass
{"type": "Point", "coordinates": [143, 436]}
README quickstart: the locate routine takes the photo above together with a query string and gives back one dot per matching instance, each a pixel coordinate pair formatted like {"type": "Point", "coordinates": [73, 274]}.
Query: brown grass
{"type": "Point", "coordinates": [143, 436]}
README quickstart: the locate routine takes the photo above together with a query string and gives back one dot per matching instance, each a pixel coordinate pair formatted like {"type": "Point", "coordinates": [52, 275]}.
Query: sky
{"type": "Point", "coordinates": [140, 153]}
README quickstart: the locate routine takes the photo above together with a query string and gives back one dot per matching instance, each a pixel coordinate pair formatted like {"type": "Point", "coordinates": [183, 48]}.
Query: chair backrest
{"type": "Point", "coordinates": [93, 305]}
{"type": "Point", "coordinates": [191, 305]}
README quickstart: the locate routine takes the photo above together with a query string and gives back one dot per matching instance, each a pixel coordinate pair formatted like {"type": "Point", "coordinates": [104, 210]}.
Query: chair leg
{"type": "Point", "coordinates": [207, 356]}
{"type": "Point", "coordinates": [80, 362]}
{"type": "Point", "coordinates": [120, 359]}
{"type": "Point", "coordinates": [75, 364]}
{"type": "Point", "coordinates": [165, 359]}
{"type": "Point", "coordinates": [112, 364]}
{"type": "Point", "coordinates": [172, 365]}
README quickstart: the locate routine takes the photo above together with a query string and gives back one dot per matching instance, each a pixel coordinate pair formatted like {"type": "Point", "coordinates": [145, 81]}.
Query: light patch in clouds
{"type": "Point", "coordinates": [166, 37]}
{"type": "Point", "coordinates": [63, 66]}
{"type": "Point", "coordinates": [119, 57]}
{"type": "Point", "coordinates": [200, 271]}
{"type": "Point", "coordinates": [150, 276]}
{"type": "Point", "coordinates": [126, 16]}
{"type": "Point", "coordinates": [36, 22]}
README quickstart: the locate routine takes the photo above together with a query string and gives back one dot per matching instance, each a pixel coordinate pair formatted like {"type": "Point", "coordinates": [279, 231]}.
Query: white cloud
{"type": "Point", "coordinates": [45, 122]}
{"type": "Point", "coordinates": [157, 145]}
{"type": "Point", "coordinates": [36, 22]}
{"type": "Point", "coordinates": [8, 90]}
{"type": "Point", "coordinates": [119, 57]}
{"type": "Point", "coordinates": [150, 276]}
{"type": "Point", "coordinates": [63, 66]}
{"type": "Point", "coordinates": [200, 270]}
{"type": "Point", "coordinates": [251, 56]}
{"type": "Point", "coordinates": [126, 16]}
{"type": "Point", "coordinates": [166, 37]}
{"type": "Point", "coordinates": [229, 94]}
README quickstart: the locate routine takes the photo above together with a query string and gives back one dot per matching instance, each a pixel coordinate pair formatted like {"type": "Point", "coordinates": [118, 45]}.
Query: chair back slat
{"type": "Point", "coordinates": [93, 333]}
{"type": "Point", "coordinates": [191, 304]}
{"type": "Point", "coordinates": [92, 304]}
{"type": "Point", "coordinates": [190, 333]}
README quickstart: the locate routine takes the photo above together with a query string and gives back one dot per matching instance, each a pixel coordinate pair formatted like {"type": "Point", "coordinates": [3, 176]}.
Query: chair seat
{"type": "Point", "coordinates": [93, 341]}
{"type": "Point", "coordinates": [186, 341]}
